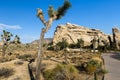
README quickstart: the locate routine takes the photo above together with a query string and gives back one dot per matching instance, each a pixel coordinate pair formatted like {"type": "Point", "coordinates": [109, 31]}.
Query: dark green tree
{"type": "Point", "coordinates": [53, 15]}
{"type": "Point", "coordinates": [63, 44]}
{"type": "Point", "coordinates": [106, 45]}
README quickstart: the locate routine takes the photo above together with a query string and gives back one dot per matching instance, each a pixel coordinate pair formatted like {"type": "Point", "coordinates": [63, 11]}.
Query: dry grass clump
{"type": "Point", "coordinates": [19, 62]}
{"type": "Point", "coordinates": [62, 72]}
{"type": "Point", "coordinates": [26, 57]}
{"type": "Point", "coordinates": [6, 58]}
{"type": "Point", "coordinates": [17, 78]}
{"type": "Point", "coordinates": [6, 72]}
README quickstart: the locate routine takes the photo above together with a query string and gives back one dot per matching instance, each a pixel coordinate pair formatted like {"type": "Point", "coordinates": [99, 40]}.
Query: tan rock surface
{"type": "Point", "coordinates": [72, 32]}
{"type": "Point", "coordinates": [116, 37]}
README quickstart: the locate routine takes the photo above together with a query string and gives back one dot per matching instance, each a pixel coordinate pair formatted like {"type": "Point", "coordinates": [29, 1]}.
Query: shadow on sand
{"type": "Point", "coordinates": [115, 56]}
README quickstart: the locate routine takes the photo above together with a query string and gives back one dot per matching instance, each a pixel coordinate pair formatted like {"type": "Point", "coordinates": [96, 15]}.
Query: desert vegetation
{"type": "Point", "coordinates": [68, 59]}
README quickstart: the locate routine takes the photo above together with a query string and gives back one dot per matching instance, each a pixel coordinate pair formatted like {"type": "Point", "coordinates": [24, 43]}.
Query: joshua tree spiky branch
{"type": "Point", "coordinates": [53, 15]}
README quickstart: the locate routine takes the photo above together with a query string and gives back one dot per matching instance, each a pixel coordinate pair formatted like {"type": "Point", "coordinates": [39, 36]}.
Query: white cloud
{"type": "Point", "coordinates": [5, 26]}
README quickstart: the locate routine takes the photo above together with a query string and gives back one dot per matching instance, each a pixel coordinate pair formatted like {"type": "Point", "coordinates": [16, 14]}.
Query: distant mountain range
{"type": "Point", "coordinates": [47, 40]}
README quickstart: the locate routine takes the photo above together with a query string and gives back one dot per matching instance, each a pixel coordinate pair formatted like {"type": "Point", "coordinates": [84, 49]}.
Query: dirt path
{"type": "Point", "coordinates": [112, 63]}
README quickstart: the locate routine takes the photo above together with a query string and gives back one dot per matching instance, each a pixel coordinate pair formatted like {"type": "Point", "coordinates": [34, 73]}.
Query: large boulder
{"type": "Point", "coordinates": [72, 32]}
{"type": "Point", "coordinates": [116, 37]}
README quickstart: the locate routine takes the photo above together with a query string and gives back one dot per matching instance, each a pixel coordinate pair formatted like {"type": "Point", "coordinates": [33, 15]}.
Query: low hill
{"type": "Point", "coordinates": [47, 40]}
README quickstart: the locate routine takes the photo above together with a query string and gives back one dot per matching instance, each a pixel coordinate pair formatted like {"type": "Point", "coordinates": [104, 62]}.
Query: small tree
{"type": "Point", "coordinates": [6, 39]}
{"type": "Point", "coordinates": [63, 45]}
{"type": "Point", "coordinates": [80, 43]}
{"type": "Point", "coordinates": [53, 15]}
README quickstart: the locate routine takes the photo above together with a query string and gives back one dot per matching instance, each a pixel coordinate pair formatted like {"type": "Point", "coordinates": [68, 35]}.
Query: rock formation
{"type": "Point", "coordinates": [72, 32]}
{"type": "Point", "coordinates": [116, 37]}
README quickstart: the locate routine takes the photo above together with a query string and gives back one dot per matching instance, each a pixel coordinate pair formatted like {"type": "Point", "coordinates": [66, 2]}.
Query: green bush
{"type": "Point", "coordinates": [6, 72]}
{"type": "Point", "coordinates": [63, 44]}
{"type": "Point", "coordinates": [62, 72]}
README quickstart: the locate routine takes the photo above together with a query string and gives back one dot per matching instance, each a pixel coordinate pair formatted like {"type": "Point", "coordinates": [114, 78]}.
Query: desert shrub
{"type": "Point", "coordinates": [33, 67]}
{"type": "Point", "coordinates": [72, 46]}
{"type": "Point", "coordinates": [101, 48]}
{"type": "Point", "coordinates": [16, 78]}
{"type": "Point", "coordinates": [50, 48]}
{"type": "Point", "coordinates": [62, 72]}
{"type": "Point", "coordinates": [103, 71]}
{"type": "Point", "coordinates": [6, 72]}
{"type": "Point", "coordinates": [80, 43]}
{"type": "Point", "coordinates": [92, 66]}
{"type": "Point", "coordinates": [19, 62]}
{"type": "Point", "coordinates": [7, 58]}
{"type": "Point", "coordinates": [25, 56]}
{"type": "Point", "coordinates": [3, 60]}
{"type": "Point", "coordinates": [63, 44]}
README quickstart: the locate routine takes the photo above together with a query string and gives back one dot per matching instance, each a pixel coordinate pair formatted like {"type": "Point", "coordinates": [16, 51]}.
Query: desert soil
{"type": "Point", "coordinates": [21, 71]}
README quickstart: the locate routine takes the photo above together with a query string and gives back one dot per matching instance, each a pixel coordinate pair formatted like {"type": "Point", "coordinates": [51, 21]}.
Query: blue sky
{"type": "Point", "coordinates": [19, 16]}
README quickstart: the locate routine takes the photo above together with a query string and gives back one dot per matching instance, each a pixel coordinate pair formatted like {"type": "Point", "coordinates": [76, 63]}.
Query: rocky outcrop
{"type": "Point", "coordinates": [72, 32]}
{"type": "Point", "coordinates": [116, 37]}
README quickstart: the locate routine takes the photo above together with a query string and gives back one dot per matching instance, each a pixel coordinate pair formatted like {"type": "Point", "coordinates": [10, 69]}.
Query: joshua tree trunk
{"type": "Point", "coordinates": [41, 50]}
{"type": "Point", "coordinates": [95, 76]}
{"type": "Point", "coordinates": [4, 48]}
{"type": "Point", "coordinates": [66, 54]}
{"type": "Point", "coordinates": [3, 52]}
{"type": "Point", "coordinates": [39, 57]}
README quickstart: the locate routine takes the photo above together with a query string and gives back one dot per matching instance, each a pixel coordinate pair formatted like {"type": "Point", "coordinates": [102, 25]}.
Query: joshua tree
{"type": "Point", "coordinates": [6, 39]}
{"type": "Point", "coordinates": [53, 15]}
{"type": "Point", "coordinates": [16, 39]}
{"type": "Point", "coordinates": [94, 43]}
